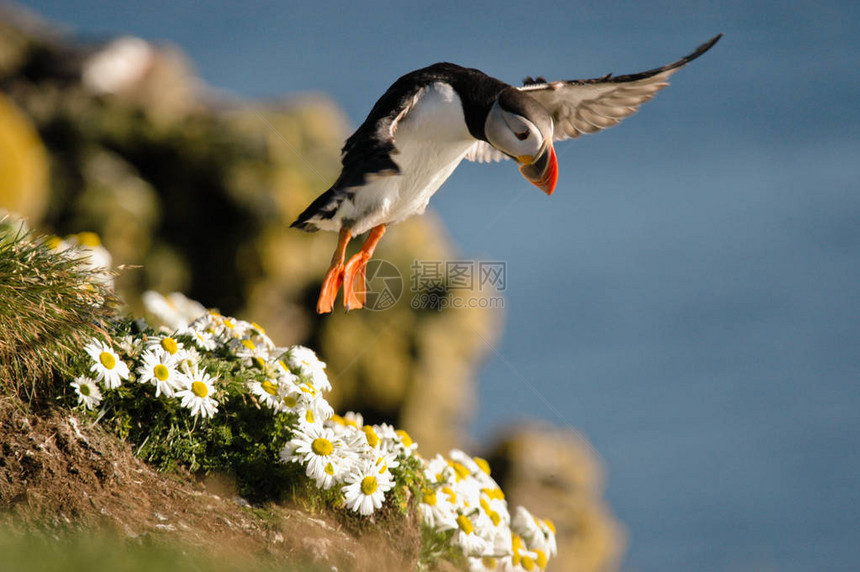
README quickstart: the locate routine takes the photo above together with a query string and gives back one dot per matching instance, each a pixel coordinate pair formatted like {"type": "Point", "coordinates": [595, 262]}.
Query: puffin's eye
{"type": "Point", "coordinates": [522, 136]}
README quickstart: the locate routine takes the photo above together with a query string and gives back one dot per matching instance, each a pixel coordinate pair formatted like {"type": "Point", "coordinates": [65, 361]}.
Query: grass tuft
{"type": "Point", "coordinates": [50, 305]}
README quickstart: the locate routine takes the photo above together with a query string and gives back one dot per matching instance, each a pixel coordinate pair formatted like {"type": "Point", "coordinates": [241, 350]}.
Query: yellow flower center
{"type": "Point", "coordinates": [309, 416]}
{"type": "Point", "coordinates": [329, 468]}
{"type": "Point", "coordinates": [107, 360]}
{"type": "Point", "coordinates": [258, 327]}
{"type": "Point", "coordinates": [170, 345]}
{"type": "Point", "coordinates": [482, 464]}
{"type": "Point", "coordinates": [452, 496]}
{"type": "Point", "coordinates": [429, 497]}
{"type": "Point", "coordinates": [53, 242]}
{"type": "Point", "coordinates": [322, 447]}
{"type": "Point", "coordinates": [161, 372]}
{"type": "Point", "coordinates": [229, 323]}
{"type": "Point", "coordinates": [90, 239]}
{"type": "Point", "coordinates": [269, 387]}
{"type": "Point", "coordinates": [460, 469]}
{"type": "Point", "coordinates": [404, 436]}
{"type": "Point", "coordinates": [383, 466]}
{"type": "Point", "coordinates": [84, 389]}
{"type": "Point", "coordinates": [372, 437]}
{"type": "Point", "coordinates": [309, 390]}
{"type": "Point", "coordinates": [465, 524]}
{"type": "Point", "coordinates": [541, 559]}
{"type": "Point", "coordinates": [290, 401]}
{"type": "Point", "coordinates": [516, 543]}
{"type": "Point", "coordinates": [199, 389]}
{"type": "Point", "coordinates": [550, 525]}
{"type": "Point", "coordinates": [485, 505]}
{"type": "Point", "coordinates": [369, 485]}
{"type": "Point", "coordinates": [489, 562]}
{"type": "Point", "coordinates": [495, 517]}
{"type": "Point", "coordinates": [528, 563]}
{"type": "Point", "coordinates": [249, 344]}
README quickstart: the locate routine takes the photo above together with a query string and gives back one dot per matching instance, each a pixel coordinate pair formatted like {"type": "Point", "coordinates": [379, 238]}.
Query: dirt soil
{"type": "Point", "coordinates": [57, 472]}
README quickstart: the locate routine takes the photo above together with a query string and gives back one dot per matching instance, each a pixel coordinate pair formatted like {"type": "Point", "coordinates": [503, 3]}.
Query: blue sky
{"type": "Point", "coordinates": [689, 295]}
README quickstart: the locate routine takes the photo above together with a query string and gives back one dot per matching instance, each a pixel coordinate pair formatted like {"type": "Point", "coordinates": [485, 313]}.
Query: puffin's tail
{"type": "Point", "coordinates": [322, 209]}
{"type": "Point", "coordinates": [305, 225]}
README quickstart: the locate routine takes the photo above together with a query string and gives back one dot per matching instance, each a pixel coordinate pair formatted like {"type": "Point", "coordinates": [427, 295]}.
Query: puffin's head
{"type": "Point", "coordinates": [521, 128]}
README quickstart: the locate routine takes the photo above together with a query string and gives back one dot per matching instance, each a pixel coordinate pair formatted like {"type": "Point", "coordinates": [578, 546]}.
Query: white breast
{"type": "Point", "coordinates": [431, 141]}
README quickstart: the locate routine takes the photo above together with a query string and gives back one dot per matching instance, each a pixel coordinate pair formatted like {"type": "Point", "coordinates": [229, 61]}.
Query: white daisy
{"type": "Point", "coordinates": [437, 510]}
{"type": "Point", "coordinates": [326, 458]}
{"type": "Point", "coordinates": [304, 361]}
{"type": "Point", "coordinates": [283, 372]}
{"type": "Point", "coordinates": [527, 527]}
{"type": "Point", "coordinates": [129, 345]}
{"type": "Point", "coordinates": [523, 557]}
{"type": "Point", "coordinates": [548, 529]}
{"type": "Point", "coordinates": [268, 392]}
{"type": "Point", "coordinates": [366, 487]}
{"type": "Point", "coordinates": [227, 327]}
{"type": "Point", "coordinates": [201, 330]}
{"type": "Point", "coordinates": [467, 539]}
{"type": "Point", "coordinates": [187, 357]}
{"type": "Point", "coordinates": [88, 392]}
{"type": "Point", "coordinates": [384, 461]}
{"type": "Point", "coordinates": [246, 349]}
{"type": "Point", "coordinates": [395, 440]}
{"type": "Point", "coordinates": [174, 310]}
{"type": "Point", "coordinates": [160, 369]}
{"type": "Point", "coordinates": [438, 471]}
{"type": "Point", "coordinates": [257, 334]}
{"type": "Point", "coordinates": [204, 339]}
{"type": "Point", "coordinates": [166, 343]}
{"type": "Point", "coordinates": [92, 255]}
{"type": "Point", "coordinates": [495, 508]}
{"type": "Point", "coordinates": [289, 395]}
{"type": "Point", "coordinates": [314, 408]}
{"type": "Point", "coordinates": [108, 368]}
{"type": "Point", "coordinates": [197, 393]}
{"type": "Point", "coordinates": [481, 564]}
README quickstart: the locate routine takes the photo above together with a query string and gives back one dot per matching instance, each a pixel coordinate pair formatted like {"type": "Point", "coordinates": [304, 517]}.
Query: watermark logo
{"type": "Point", "coordinates": [437, 284]}
{"type": "Point", "coordinates": [384, 285]}
{"type": "Point", "coordinates": [459, 275]}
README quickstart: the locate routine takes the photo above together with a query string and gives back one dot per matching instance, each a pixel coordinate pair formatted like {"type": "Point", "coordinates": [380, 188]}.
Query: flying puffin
{"type": "Point", "coordinates": [431, 119]}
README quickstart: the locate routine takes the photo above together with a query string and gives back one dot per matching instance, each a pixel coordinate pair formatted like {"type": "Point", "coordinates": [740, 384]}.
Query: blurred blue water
{"type": "Point", "coordinates": [689, 295]}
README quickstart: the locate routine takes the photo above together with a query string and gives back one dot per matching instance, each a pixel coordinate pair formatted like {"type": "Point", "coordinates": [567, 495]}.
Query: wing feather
{"type": "Point", "coordinates": [590, 105]}
{"type": "Point", "coordinates": [483, 152]}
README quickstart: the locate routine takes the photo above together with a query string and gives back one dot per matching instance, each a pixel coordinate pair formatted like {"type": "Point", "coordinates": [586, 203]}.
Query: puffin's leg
{"type": "Point", "coordinates": [334, 276]}
{"type": "Point", "coordinates": [354, 291]}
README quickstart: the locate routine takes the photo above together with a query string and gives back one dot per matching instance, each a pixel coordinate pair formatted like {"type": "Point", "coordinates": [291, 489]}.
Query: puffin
{"type": "Point", "coordinates": [433, 118]}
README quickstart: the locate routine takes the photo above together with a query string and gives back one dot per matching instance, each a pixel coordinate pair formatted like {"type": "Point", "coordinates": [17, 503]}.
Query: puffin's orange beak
{"type": "Point", "coordinates": [542, 171]}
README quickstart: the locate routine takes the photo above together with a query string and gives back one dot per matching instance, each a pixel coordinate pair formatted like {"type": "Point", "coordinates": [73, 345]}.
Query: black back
{"type": "Point", "coordinates": [368, 151]}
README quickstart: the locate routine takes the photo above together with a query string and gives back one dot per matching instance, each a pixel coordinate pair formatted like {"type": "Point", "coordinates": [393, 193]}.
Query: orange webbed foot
{"type": "Point", "coordinates": [331, 284]}
{"type": "Point", "coordinates": [355, 282]}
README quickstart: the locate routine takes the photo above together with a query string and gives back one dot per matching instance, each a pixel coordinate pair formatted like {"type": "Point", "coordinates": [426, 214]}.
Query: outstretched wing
{"type": "Point", "coordinates": [590, 105]}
